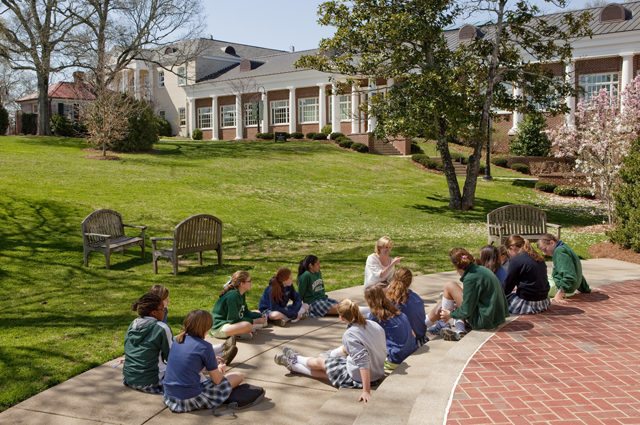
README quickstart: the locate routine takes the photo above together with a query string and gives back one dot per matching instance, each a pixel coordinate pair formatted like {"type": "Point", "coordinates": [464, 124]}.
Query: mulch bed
{"type": "Point", "coordinates": [611, 250]}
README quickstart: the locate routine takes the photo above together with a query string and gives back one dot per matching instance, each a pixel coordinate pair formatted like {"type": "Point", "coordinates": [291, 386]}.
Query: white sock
{"type": "Point", "coordinates": [302, 360]}
{"type": "Point", "coordinates": [428, 322]}
{"type": "Point", "coordinates": [448, 304]}
{"type": "Point", "coordinates": [302, 369]}
{"type": "Point", "coordinates": [337, 352]}
{"type": "Point", "coordinates": [364, 311]}
{"type": "Point", "coordinates": [217, 349]}
{"type": "Point", "coordinates": [459, 325]}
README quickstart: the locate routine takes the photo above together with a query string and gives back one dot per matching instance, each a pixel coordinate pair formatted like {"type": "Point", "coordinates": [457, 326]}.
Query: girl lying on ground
{"type": "Point", "coordinates": [311, 287]}
{"type": "Point", "coordinates": [280, 302]}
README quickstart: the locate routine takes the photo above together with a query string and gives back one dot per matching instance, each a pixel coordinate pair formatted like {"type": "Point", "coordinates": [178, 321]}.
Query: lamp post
{"type": "Point", "coordinates": [487, 167]}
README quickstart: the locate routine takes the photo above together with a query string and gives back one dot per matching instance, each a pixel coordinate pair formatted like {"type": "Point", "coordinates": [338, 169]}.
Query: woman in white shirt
{"type": "Point", "coordinates": [380, 266]}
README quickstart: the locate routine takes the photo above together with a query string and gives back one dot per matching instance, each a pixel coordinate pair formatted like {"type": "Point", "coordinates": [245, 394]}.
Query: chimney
{"type": "Point", "coordinates": [78, 77]}
{"type": "Point", "coordinates": [292, 48]}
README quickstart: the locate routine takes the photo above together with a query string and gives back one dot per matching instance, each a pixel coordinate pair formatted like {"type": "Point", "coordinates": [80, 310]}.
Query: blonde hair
{"type": "Point", "coordinates": [161, 291]}
{"type": "Point", "coordinates": [548, 237]}
{"type": "Point", "coordinates": [384, 241]}
{"type": "Point", "coordinates": [350, 312]}
{"type": "Point", "coordinates": [236, 279]}
{"type": "Point", "coordinates": [461, 258]}
{"type": "Point", "coordinates": [398, 290]}
{"type": "Point", "coordinates": [380, 306]}
{"type": "Point", "coordinates": [197, 323]}
{"type": "Point", "coordinates": [521, 243]}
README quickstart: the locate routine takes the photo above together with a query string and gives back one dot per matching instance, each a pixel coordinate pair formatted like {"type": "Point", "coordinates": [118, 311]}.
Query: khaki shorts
{"type": "Point", "coordinates": [219, 333]}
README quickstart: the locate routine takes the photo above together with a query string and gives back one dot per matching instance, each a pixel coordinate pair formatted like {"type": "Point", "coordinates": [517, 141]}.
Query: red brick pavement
{"type": "Point", "coordinates": [575, 364]}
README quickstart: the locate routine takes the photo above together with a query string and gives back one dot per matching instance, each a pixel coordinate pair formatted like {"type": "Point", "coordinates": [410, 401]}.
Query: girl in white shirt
{"type": "Point", "coordinates": [380, 266]}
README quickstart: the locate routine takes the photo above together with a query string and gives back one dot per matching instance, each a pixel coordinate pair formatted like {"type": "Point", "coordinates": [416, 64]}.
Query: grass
{"type": "Point", "coordinates": [278, 202]}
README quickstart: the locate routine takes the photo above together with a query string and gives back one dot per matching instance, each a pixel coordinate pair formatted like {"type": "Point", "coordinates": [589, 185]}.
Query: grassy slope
{"type": "Point", "coordinates": [278, 202]}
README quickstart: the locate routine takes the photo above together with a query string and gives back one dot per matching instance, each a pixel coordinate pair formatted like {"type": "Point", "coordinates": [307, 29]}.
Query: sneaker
{"type": "Point", "coordinates": [390, 366]}
{"type": "Point", "coordinates": [287, 358]}
{"type": "Point", "coordinates": [245, 337]}
{"type": "Point", "coordinates": [451, 335]}
{"type": "Point", "coordinates": [290, 353]}
{"type": "Point", "coordinates": [280, 322]}
{"type": "Point", "coordinates": [438, 327]}
{"type": "Point", "coordinates": [230, 342]}
{"type": "Point", "coordinates": [230, 354]}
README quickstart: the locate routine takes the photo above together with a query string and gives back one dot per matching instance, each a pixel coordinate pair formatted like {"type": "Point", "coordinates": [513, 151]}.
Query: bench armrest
{"type": "Point", "coordinates": [134, 226]}
{"type": "Point", "coordinates": [555, 226]}
{"type": "Point", "coordinates": [154, 241]}
{"type": "Point", "coordinates": [97, 234]}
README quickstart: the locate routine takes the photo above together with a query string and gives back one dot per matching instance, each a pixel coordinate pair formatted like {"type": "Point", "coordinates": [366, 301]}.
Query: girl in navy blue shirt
{"type": "Point", "coordinates": [280, 302]}
{"type": "Point", "coordinates": [401, 341]}
{"type": "Point", "coordinates": [409, 303]}
{"type": "Point", "coordinates": [183, 389]}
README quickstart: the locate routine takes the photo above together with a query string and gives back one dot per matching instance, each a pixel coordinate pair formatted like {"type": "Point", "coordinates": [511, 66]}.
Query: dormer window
{"type": "Point", "coordinates": [170, 50]}
{"type": "Point", "coordinates": [614, 13]}
{"type": "Point", "coordinates": [229, 50]}
{"type": "Point", "coordinates": [469, 32]}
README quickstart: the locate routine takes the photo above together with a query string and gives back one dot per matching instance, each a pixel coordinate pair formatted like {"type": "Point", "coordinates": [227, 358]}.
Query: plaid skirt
{"type": "Point", "coordinates": [519, 306]}
{"type": "Point", "coordinates": [212, 396]}
{"type": "Point", "coordinates": [319, 308]}
{"type": "Point", "coordinates": [151, 389]}
{"type": "Point", "coordinates": [338, 375]}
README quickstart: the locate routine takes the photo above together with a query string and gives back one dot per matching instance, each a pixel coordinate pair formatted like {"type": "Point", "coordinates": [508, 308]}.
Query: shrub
{"type": "Point", "coordinates": [163, 126]}
{"type": "Point", "coordinates": [585, 192]}
{"type": "Point", "coordinates": [566, 191]}
{"type": "Point", "coordinates": [546, 186]}
{"type": "Point", "coordinates": [4, 120]}
{"type": "Point", "coordinates": [326, 130]}
{"type": "Point", "coordinates": [458, 157]}
{"type": "Point", "coordinates": [29, 123]}
{"type": "Point", "coordinates": [345, 143]}
{"type": "Point", "coordinates": [359, 147]}
{"type": "Point", "coordinates": [297, 135]}
{"type": "Point", "coordinates": [336, 135]}
{"type": "Point", "coordinates": [61, 126]}
{"type": "Point", "coordinates": [319, 136]}
{"type": "Point", "coordinates": [426, 161]}
{"type": "Point", "coordinates": [499, 161]}
{"type": "Point", "coordinates": [79, 128]}
{"type": "Point", "coordinates": [196, 134]}
{"type": "Point", "coordinates": [627, 199]}
{"type": "Point", "coordinates": [143, 132]}
{"type": "Point", "coordinates": [264, 136]}
{"type": "Point", "coordinates": [415, 148]}
{"type": "Point", "coordinates": [521, 168]}
{"type": "Point", "coordinates": [310, 135]}
{"type": "Point", "coordinates": [531, 138]}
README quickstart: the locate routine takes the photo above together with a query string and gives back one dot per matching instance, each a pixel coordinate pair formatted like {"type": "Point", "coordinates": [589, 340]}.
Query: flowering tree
{"type": "Point", "coordinates": [601, 138]}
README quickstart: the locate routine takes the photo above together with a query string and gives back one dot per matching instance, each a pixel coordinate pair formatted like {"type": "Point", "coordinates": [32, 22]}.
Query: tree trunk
{"type": "Point", "coordinates": [455, 200]}
{"type": "Point", "coordinates": [43, 105]}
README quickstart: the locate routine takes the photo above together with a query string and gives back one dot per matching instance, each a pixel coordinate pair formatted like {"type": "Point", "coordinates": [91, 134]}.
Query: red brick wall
{"type": "Point", "coordinates": [227, 133]}
{"type": "Point", "coordinates": [345, 127]}
{"type": "Point", "coordinates": [307, 128]}
{"type": "Point", "coordinates": [636, 64]}
{"type": "Point", "coordinates": [206, 134]}
{"type": "Point", "coordinates": [594, 66]}
{"type": "Point", "coordinates": [250, 133]}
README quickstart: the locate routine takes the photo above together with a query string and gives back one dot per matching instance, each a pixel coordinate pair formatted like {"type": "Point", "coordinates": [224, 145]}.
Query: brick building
{"type": "Point", "coordinates": [233, 91]}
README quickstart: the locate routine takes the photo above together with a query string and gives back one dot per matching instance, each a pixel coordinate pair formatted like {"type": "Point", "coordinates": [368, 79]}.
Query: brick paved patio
{"type": "Point", "coordinates": [575, 364]}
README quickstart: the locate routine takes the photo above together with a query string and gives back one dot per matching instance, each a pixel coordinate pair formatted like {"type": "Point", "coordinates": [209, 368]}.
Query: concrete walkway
{"type": "Point", "coordinates": [419, 392]}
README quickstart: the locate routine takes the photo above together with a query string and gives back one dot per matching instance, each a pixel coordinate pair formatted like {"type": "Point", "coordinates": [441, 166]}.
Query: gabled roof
{"type": "Point", "coordinates": [65, 90]}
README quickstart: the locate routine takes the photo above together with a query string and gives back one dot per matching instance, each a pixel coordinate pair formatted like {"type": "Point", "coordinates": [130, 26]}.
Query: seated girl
{"type": "Point", "coordinates": [356, 364]}
{"type": "Point", "coordinates": [145, 342]}
{"type": "Point", "coordinates": [491, 259]}
{"type": "Point", "coordinates": [231, 315]}
{"type": "Point", "coordinates": [184, 391]}
{"type": "Point", "coordinates": [380, 267]}
{"type": "Point", "coordinates": [528, 275]}
{"type": "Point", "coordinates": [400, 339]}
{"type": "Point", "coordinates": [163, 292]}
{"type": "Point", "coordinates": [408, 302]}
{"type": "Point", "coordinates": [480, 303]}
{"type": "Point", "coordinates": [311, 287]}
{"type": "Point", "coordinates": [275, 299]}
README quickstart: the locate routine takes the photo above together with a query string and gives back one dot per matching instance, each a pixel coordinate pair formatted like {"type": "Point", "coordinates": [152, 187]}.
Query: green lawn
{"type": "Point", "coordinates": [278, 202]}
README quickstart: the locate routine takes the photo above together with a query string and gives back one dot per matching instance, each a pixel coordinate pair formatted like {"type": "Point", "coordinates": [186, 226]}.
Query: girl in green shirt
{"type": "Point", "coordinates": [311, 288]}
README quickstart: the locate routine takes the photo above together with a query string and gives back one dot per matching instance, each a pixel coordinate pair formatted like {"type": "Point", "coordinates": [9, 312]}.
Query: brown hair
{"type": "Point", "coordinates": [382, 242]}
{"type": "Point", "coordinates": [490, 258]}
{"type": "Point", "coordinates": [277, 283]}
{"type": "Point", "coordinates": [161, 291]}
{"type": "Point", "coordinates": [461, 258]}
{"type": "Point", "coordinates": [197, 323]}
{"type": "Point", "coordinates": [398, 290]}
{"type": "Point", "coordinates": [350, 312]}
{"type": "Point", "coordinates": [519, 242]}
{"type": "Point", "coordinates": [147, 304]}
{"type": "Point", "coordinates": [379, 304]}
{"type": "Point", "coordinates": [236, 279]}
{"type": "Point", "coordinates": [548, 237]}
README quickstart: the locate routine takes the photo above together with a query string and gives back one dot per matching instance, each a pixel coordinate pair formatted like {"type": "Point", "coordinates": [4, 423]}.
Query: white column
{"type": "Point", "coordinates": [570, 77]}
{"type": "Point", "coordinates": [517, 116]}
{"type": "Point", "coordinates": [355, 110]}
{"type": "Point", "coordinates": [191, 117]}
{"type": "Point", "coordinates": [371, 125]}
{"type": "Point", "coordinates": [239, 121]}
{"type": "Point", "coordinates": [265, 113]}
{"type": "Point", "coordinates": [322, 104]}
{"type": "Point", "coordinates": [136, 84]}
{"type": "Point", "coordinates": [215, 114]}
{"type": "Point", "coordinates": [293, 108]}
{"type": "Point", "coordinates": [335, 109]}
{"type": "Point", "coordinates": [627, 74]}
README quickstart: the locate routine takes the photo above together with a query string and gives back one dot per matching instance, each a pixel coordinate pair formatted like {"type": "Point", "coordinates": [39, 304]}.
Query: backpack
{"type": "Point", "coordinates": [242, 397]}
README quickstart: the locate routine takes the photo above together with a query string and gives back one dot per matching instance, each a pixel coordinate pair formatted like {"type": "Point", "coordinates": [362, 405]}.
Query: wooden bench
{"type": "Point", "coordinates": [524, 220]}
{"type": "Point", "coordinates": [197, 233]}
{"type": "Point", "coordinates": [103, 231]}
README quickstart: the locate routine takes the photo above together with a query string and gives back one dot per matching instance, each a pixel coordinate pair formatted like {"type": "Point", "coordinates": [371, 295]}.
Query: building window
{"type": "Point", "coordinates": [591, 84]}
{"type": "Point", "coordinates": [228, 116]}
{"type": "Point", "coordinates": [344, 106]}
{"type": "Point", "coordinates": [161, 78]}
{"type": "Point", "coordinates": [250, 114]}
{"type": "Point", "coordinates": [162, 114]}
{"type": "Point", "coordinates": [34, 108]}
{"type": "Point", "coordinates": [279, 112]}
{"type": "Point", "coordinates": [204, 117]}
{"type": "Point", "coordinates": [182, 115]}
{"type": "Point", "coordinates": [182, 76]}
{"type": "Point", "coordinates": [308, 110]}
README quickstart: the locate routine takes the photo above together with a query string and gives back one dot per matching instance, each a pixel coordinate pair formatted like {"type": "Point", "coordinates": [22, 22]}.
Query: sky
{"type": "Point", "coordinates": [280, 24]}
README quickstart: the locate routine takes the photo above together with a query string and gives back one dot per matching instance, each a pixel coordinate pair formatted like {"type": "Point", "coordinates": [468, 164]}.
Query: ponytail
{"type": "Point", "coordinates": [147, 304]}
{"type": "Point", "coordinates": [380, 306]}
{"type": "Point", "coordinates": [350, 312]}
{"type": "Point", "coordinates": [304, 264]}
{"type": "Point", "coordinates": [197, 323]}
{"type": "Point", "coordinates": [461, 258]}
{"type": "Point", "coordinates": [523, 244]}
{"type": "Point", "coordinates": [398, 290]}
{"type": "Point", "coordinates": [277, 284]}
{"type": "Point", "coordinates": [236, 279]}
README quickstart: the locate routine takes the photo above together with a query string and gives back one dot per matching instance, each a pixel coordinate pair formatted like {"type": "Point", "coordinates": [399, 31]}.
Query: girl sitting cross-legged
{"type": "Point", "coordinates": [408, 302]}
{"type": "Point", "coordinates": [311, 287]}
{"type": "Point", "coordinates": [184, 388]}
{"type": "Point", "coordinates": [276, 298]}
{"type": "Point", "coordinates": [356, 364]}
{"type": "Point", "coordinates": [400, 339]}
{"type": "Point", "coordinates": [491, 259]}
{"type": "Point", "coordinates": [231, 315]}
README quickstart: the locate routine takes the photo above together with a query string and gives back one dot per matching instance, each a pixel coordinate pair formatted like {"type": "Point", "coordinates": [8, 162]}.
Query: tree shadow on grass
{"type": "Point", "coordinates": [69, 142]}
{"type": "Point", "coordinates": [478, 214]}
